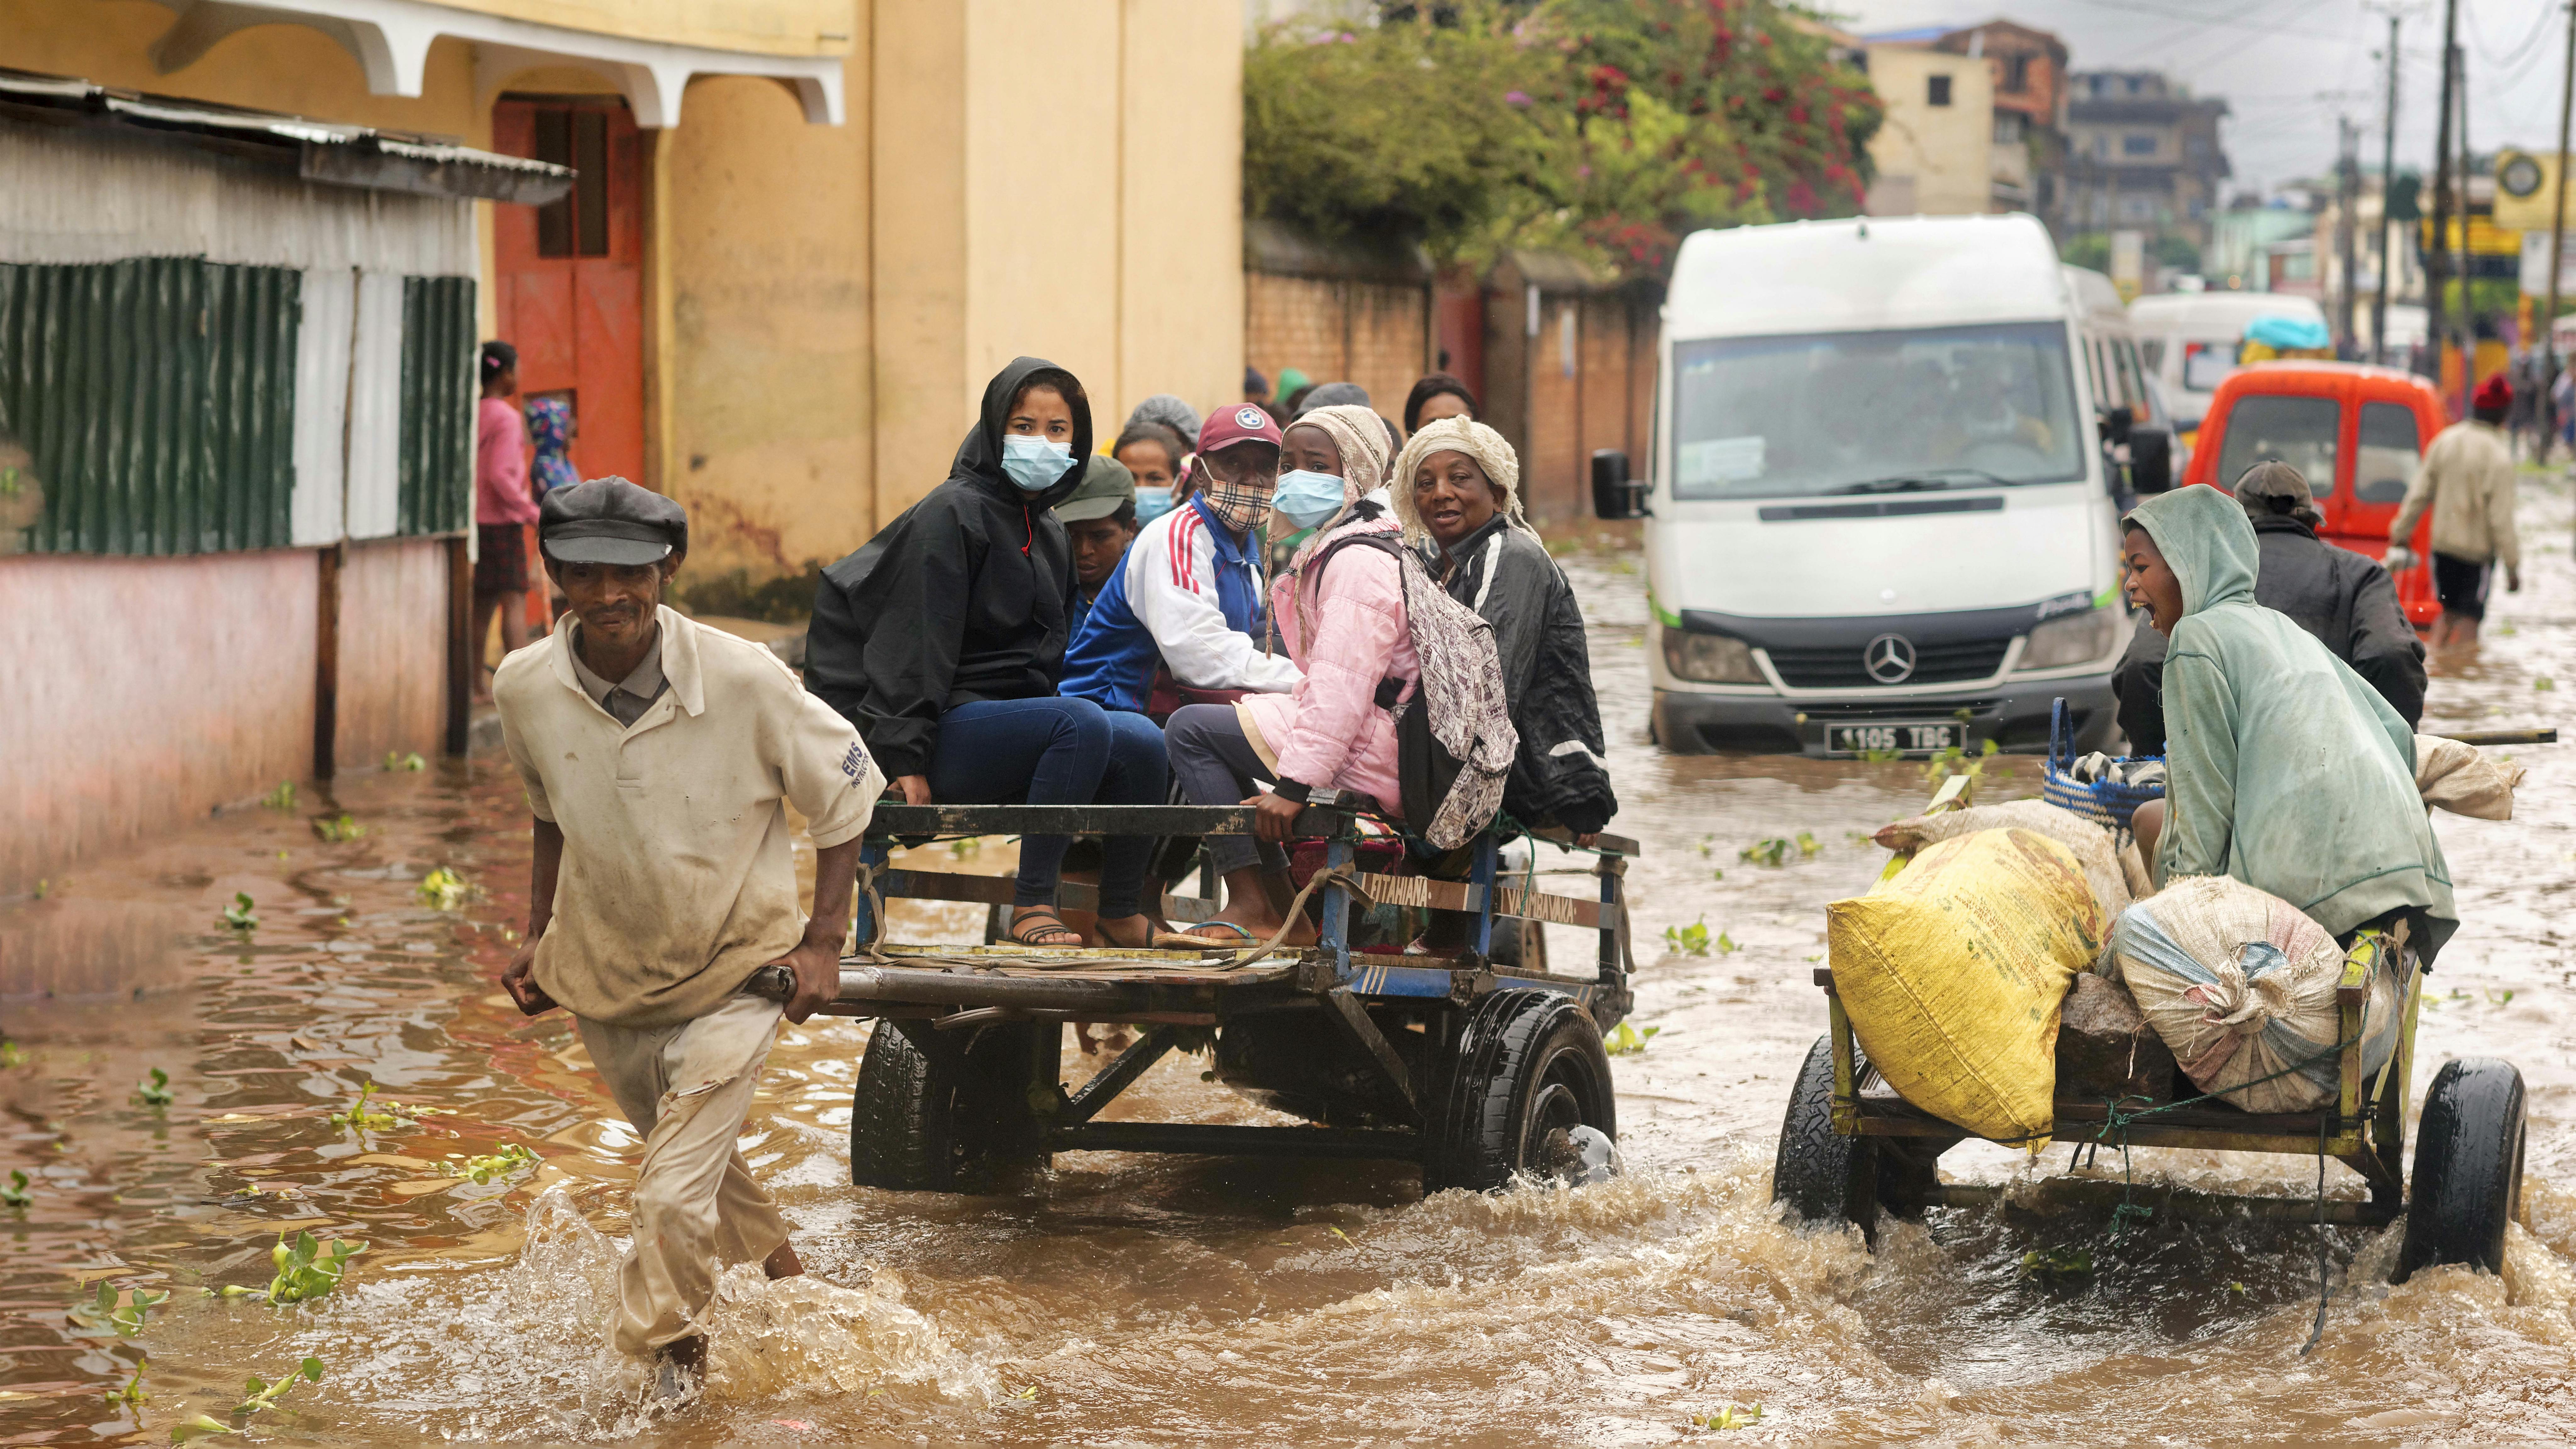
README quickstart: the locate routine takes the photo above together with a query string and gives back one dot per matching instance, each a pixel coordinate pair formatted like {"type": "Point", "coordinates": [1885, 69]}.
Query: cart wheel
{"type": "Point", "coordinates": [2468, 1167]}
{"type": "Point", "coordinates": [953, 1117]}
{"type": "Point", "coordinates": [1529, 1076]}
{"type": "Point", "coordinates": [1822, 1175]}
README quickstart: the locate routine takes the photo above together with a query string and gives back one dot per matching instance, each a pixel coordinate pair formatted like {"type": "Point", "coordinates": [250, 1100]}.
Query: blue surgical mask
{"type": "Point", "coordinates": [1034, 464]}
{"type": "Point", "coordinates": [1307, 499]}
{"type": "Point", "coordinates": [1152, 503]}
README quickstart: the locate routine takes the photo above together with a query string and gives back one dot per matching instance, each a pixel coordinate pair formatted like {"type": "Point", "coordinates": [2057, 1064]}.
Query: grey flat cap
{"type": "Point", "coordinates": [610, 521]}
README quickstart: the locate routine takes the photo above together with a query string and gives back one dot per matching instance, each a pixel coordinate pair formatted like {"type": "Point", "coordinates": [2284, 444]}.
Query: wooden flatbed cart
{"type": "Point", "coordinates": [1476, 1068]}
{"type": "Point", "coordinates": [1851, 1146]}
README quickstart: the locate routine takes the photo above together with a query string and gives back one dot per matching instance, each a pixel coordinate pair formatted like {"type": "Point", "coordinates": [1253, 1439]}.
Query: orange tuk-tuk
{"type": "Point", "coordinates": [2355, 432]}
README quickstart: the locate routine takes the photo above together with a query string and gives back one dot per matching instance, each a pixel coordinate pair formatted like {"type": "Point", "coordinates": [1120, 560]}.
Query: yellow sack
{"type": "Point", "coordinates": [1953, 970]}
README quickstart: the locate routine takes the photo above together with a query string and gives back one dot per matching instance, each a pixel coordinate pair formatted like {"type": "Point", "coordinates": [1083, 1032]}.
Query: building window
{"type": "Point", "coordinates": [2008, 126]}
{"type": "Point", "coordinates": [2135, 144]}
{"type": "Point", "coordinates": [2136, 84]}
{"type": "Point", "coordinates": [1940, 91]}
{"type": "Point", "coordinates": [2017, 74]}
{"type": "Point", "coordinates": [576, 225]}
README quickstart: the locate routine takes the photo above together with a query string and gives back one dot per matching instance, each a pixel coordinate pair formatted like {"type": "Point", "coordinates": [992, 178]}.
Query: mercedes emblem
{"type": "Point", "coordinates": [1889, 658]}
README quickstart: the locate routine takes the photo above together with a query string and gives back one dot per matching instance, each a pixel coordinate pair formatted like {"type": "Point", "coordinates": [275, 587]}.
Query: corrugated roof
{"type": "Point", "coordinates": [315, 150]}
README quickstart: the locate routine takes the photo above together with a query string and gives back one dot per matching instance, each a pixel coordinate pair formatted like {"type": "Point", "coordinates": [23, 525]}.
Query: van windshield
{"type": "Point", "coordinates": [1863, 412]}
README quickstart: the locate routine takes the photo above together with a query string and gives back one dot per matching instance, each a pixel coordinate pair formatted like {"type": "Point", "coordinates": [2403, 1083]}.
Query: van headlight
{"type": "Point", "coordinates": [1709, 658]}
{"type": "Point", "coordinates": [2076, 639]}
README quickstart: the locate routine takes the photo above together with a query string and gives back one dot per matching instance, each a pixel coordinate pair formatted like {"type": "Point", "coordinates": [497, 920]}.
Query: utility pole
{"type": "Point", "coordinates": [2387, 189]}
{"type": "Point", "coordinates": [2347, 196]}
{"type": "Point", "coordinates": [2547, 409]}
{"type": "Point", "coordinates": [2437, 255]}
{"type": "Point", "coordinates": [2468, 323]}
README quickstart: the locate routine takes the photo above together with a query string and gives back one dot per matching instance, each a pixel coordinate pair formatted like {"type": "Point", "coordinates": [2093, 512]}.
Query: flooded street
{"type": "Point", "coordinates": [1182, 1300]}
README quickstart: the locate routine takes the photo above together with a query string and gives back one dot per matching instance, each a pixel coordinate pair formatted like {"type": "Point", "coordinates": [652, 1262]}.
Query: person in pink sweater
{"type": "Point", "coordinates": [1340, 613]}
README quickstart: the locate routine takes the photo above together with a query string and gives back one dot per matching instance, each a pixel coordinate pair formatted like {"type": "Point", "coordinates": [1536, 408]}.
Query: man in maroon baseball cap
{"type": "Point", "coordinates": [1186, 601]}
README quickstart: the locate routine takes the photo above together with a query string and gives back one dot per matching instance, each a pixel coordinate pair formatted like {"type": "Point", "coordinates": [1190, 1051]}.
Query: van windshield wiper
{"type": "Point", "coordinates": [1927, 481]}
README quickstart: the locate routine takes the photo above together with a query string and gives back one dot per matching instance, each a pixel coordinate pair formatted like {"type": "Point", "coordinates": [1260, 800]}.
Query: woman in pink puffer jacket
{"type": "Point", "coordinates": [1345, 627]}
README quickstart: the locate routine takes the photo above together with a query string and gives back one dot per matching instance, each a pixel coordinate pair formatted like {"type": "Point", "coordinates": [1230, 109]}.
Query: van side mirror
{"type": "Point", "coordinates": [1615, 496]}
{"type": "Point", "coordinates": [2150, 460]}
{"type": "Point", "coordinates": [2116, 424]}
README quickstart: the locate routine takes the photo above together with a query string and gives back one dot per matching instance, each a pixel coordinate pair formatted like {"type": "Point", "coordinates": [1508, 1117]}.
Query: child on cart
{"type": "Point", "coordinates": [2284, 768]}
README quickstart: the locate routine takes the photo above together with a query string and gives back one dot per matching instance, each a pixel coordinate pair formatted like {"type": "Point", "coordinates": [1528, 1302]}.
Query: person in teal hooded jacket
{"type": "Point", "coordinates": [2284, 768]}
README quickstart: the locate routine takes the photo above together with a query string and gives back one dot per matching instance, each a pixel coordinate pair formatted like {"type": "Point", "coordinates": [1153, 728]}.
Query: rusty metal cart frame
{"type": "Point", "coordinates": [1460, 1063]}
{"type": "Point", "coordinates": [1851, 1146]}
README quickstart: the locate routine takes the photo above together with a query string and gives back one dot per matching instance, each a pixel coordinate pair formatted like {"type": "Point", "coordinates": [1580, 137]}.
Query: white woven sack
{"type": "Point", "coordinates": [2090, 842]}
{"type": "Point", "coordinates": [2242, 987]}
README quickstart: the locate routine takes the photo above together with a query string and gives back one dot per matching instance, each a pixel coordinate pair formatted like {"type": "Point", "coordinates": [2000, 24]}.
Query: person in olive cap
{"type": "Point", "coordinates": [1100, 518]}
{"type": "Point", "coordinates": [659, 758]}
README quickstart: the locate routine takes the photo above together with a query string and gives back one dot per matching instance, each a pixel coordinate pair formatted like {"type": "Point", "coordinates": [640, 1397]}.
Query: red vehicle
{"type": "Point", "coordinates": [2356, 432]}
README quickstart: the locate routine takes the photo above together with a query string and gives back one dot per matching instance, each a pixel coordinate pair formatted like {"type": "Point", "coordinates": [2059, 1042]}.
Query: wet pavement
{"type": "Point", "coordinates": [1129, 1300]}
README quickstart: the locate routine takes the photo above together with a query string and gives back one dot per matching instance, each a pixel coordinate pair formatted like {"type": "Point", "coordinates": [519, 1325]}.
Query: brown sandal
{"type": "Point", "coordinates": [1043, 921]}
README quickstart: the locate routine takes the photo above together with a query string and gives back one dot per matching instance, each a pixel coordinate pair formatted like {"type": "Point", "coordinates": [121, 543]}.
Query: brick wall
{"type": "Point", "coordinates": [1371, 333]}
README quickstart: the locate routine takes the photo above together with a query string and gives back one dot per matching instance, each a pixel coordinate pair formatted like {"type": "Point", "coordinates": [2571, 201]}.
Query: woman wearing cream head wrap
{"type": "Point", "coordinates": [1457, 493]}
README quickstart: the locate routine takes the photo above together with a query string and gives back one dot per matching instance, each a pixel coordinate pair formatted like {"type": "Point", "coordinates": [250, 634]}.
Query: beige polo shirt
{"type": "Point", "coordinates": [679, 876]}
{"type": "Point", "coordinates": [2467, 480]}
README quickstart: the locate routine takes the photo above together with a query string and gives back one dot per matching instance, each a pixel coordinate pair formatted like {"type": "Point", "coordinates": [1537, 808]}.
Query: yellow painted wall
{"type": "Point", "coordinates": [1181, 314]}
{"type": "Point", "coordinates": [917, 220]}
{"type": "Point", "coordinates": [769, 407]}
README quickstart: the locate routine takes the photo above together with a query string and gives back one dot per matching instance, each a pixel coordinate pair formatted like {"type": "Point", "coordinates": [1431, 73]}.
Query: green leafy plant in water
{"type": "Point", "coordinates": [198, 1427]}
{"type": "Point", "coordinates": [12, 1054]}
{"type": "Point", "coordinates": [443, 889]}
{"type": "Point", "coordinates": [120, 1313]}
{"type": "Point", "coordinates": [154, 1089]}
{"type": "Point", "coordinates": [1955, 761]}
{"type": "Point", "coordinates": [129, 1394]}
{"type": "Point", "coordinates": [966, 848]}
{"type": "Point", "coordinates": [372, 1115]}
{"type": "Point", "coordinates": [1728, 1416]}
{"type": "Point", "coordinates": [1880, 757]}
{"type": "Point", "coordinates": [1708, 845]}
{"type": "Point", "coordinates": [259, 1393]}
{"type": "Point", "coordinates": [397, 760]}
{"type": "Point", "coordinates": [2053, 1264]}
{"type": "Point", "coordinates": [282, 798]}
{"type": "Point", "coordinates": [339, 829]}
{"type": "Point", "coordinates": [1808, 845]}
{"type": "Point", "coordinates": [1690, 940]}
{"type": "Point", "coordinates": [481, 1170]}
{"type": "Point", "coordinates": [1769, 850]}
{"type": "Point", "coordinates": [239, 915]}
{"type": "Point", "coordinates": [1626, 1041]}
{"type": "Point", "coordinates": [2496, 999]}
{"type": "Point", "coordinates": [16, 1195]}
{"type": "Point", "coordinates": [2544, 682]}
{"type": "Point", "coordinates": [304, 1270]}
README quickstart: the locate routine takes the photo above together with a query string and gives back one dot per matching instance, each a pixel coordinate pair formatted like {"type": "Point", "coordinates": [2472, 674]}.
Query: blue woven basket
{"type": "Point", "coordinates": [2106, 803]}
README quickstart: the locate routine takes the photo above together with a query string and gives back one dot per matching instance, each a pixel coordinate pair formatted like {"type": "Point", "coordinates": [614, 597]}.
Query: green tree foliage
{"type": "Point", "coordinates": [1611, 128]}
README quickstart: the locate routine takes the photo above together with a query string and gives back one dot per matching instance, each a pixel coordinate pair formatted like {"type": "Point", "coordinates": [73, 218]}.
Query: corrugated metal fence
{"type": "Point", "coordinates": [439, 390]}
{"type": "Point", "coordinates": [157, 400]}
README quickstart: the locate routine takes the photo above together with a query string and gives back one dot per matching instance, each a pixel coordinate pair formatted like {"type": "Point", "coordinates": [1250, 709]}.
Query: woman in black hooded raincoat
{"type": "Point", "coordinates": [942, 640]}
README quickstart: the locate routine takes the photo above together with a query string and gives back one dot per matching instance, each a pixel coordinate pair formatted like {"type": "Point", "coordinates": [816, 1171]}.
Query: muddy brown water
{"type": "Point", "coordinates": [1129, 1300]}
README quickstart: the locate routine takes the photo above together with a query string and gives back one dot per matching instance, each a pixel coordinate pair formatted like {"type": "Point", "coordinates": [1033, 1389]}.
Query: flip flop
{"type": "Point", "coordinates": [1193, 941]}
{"type": "Point", "coordinates": [1044, 922]}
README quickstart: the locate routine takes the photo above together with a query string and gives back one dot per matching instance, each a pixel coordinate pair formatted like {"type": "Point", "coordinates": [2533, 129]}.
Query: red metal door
{"type": "Point", "coordinates": [570, 289]}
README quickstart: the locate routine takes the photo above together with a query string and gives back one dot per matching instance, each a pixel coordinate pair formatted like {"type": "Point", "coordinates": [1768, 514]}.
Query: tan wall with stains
{"type": "Point", "coordinates": [393, 652]}
{"type": "Point", "coordinates": [145, 692]}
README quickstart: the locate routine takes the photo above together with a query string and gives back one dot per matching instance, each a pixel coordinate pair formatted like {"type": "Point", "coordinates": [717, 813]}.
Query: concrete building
{"type": "Point", "coordinates": [799, 236]}
{"type": "Point", "coordinates": [2144, 155]}
{"type": "Point", "coordinates": [2027, 68]}
{"type": "Point", "coordinates": [1934, 153]}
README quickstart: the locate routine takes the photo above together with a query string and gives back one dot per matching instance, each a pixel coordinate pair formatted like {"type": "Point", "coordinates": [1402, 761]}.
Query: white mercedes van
{"type": "Point", "coordinates": [1883, 514]}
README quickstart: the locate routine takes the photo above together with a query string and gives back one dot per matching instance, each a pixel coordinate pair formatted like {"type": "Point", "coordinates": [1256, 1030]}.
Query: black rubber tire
{"type": "Point", "coordinates": [2468, 1167]}
{"type": "Point", "coordinates": [1519, 945]}
{"type": "Point", "coordinates": [1529, 1063]}
{"type": "Point", "coordinates": [951, 1116]}
{"type": "Point", "coordinates": [1823, 1176]}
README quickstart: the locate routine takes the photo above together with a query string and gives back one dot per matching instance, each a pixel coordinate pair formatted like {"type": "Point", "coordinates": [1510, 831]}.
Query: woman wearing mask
{"type": "Point", "coordinates": [1456, 494]}
{"type": "Point", "coordinates": [942, 640]}
{"type": "Point", "coordinates": [1344, 625]}
{"type": "Point", "coordinates": [1156, 456]}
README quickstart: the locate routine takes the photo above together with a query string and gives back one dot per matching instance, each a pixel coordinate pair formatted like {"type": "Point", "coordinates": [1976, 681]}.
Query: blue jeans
{"type": "Point", "coordinates": [1056, 751]}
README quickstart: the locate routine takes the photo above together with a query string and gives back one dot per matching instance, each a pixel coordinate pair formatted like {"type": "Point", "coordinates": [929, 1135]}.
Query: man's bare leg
{"type": "Point", "coordinates": [783, 1263]}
